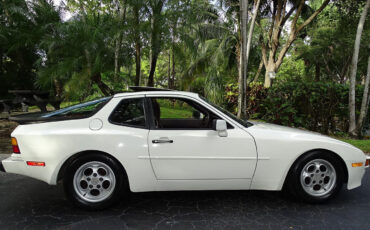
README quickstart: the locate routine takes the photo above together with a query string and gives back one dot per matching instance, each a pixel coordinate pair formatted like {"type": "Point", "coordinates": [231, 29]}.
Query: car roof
{"type": "Point", "coordinates": [171, 92]}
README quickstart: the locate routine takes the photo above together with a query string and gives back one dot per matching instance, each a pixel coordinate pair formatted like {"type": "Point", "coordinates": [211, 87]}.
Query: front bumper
{"type": "Point", "coordinates": [1, 167]}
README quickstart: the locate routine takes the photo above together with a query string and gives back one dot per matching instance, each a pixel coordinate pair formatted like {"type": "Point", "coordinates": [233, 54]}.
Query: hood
{"type": "Point", "coordinates": [264, 125]}
{"type": "Point", "coordinates": [295, 132]}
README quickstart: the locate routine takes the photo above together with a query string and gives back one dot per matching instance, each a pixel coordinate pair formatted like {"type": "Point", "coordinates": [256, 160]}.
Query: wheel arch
{"type": "Point", "coordinates": [67, 162]}
{"type": "Point", "coordinates": [340, 159]}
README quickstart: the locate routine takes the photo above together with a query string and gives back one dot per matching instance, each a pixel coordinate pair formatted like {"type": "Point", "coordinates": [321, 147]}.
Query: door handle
{"type": "Point", "coordinates": [160, 141]}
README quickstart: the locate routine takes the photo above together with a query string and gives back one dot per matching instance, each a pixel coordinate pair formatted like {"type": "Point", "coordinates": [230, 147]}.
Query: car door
{"type": "Point", "coordinates": [183, 145]}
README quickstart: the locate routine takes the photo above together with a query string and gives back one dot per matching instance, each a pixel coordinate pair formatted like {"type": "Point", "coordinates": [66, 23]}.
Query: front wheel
{"type": "Point", "coordinates": [94, 181]}
{"type": "Point", "coordinates": [315, 177]}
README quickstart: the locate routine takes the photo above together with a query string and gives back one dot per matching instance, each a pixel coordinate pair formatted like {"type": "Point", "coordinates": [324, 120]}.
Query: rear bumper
{"type": "Point", "coordinates": [1, 167]}
{"type": "Point", "coordinates": [15, 164]}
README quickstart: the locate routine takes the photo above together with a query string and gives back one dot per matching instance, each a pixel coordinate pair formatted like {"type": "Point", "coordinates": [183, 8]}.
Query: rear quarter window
{"type": "Point", "coordinates": [129, 112]}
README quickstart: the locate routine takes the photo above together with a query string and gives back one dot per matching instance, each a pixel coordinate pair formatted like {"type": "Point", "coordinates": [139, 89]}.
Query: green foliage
{"type": "Point", "coordinates": [21, 30]}
{"type": "Point", "coordinates": [330, 40]}
{"type": "Point", "coordinates": [316, 106]}
{"type": "Point", "coordinates": [256, 93]}
{"type": "Point", "coordinates": [292, 69]}
{"type": "Point", "coordinates": [196, 47]}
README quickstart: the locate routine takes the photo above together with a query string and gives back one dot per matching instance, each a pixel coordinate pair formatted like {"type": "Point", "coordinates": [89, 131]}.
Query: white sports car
{"type": "Point", "coordinates": [161, 140]}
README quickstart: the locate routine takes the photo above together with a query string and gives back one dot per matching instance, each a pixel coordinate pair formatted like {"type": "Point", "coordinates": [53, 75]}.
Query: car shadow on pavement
{"type": "Point", "coordinates": [31, 204]}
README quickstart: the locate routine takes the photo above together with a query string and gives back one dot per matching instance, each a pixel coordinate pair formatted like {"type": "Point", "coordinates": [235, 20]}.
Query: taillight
{"type": "Point", "coordinates": [35, 163]}
{"type": "Point", "coordinates": [367, 163]}
{"type": "Point", "coordinates": [15, 145]}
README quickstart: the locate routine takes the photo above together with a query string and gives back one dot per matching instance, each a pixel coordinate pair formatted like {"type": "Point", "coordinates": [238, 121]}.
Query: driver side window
{"type": "Point", "coordinates": [179, 113]}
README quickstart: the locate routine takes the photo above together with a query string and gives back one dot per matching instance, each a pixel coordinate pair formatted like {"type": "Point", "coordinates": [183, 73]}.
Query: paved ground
{"type": "Point", "coordinates": [29, 204]}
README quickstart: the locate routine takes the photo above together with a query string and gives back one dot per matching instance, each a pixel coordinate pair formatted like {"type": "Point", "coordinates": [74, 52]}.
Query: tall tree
{"type": "Point", "coordinates": [365, 98]}
{"type": "Point", "coordinates": [22, 26]}
{"type": "Point", "coordinates": [136, 14]}
{"type": "Point", "coordinates": [273, 50]}
{"type": "Point", "coordinates": [135, 18]}
{"type": "Point", "coordinates": [242, 97]}
{"type": "Point", "coordinates": [250, 32]}
{"type": "Point", "coordinates": [156, 27]}
{"type": "Point", "coordinates": [84, 63]}
{"type": "Point", "coordinates": [242, 80]}
{"type": "Point", "coordinates": [356, 128]}
{"type": "Point", "coordinates": [121, 8]}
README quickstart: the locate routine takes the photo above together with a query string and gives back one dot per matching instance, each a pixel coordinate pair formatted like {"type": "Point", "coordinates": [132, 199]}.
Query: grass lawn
{"type": "Point", "coordinates": [364, 145]}
{"type": "Point", "coordinates": [167, 112]}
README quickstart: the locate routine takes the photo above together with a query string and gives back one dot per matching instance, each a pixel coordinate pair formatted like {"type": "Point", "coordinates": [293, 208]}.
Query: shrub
{"type": "Point", "coordinates": [256, 93]}
{"type": "Point", "coordinates": [317, 106]}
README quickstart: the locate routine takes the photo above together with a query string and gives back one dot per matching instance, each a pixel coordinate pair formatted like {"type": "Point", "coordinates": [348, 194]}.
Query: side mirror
{"type": "Point", "coordinates": [220, 126]}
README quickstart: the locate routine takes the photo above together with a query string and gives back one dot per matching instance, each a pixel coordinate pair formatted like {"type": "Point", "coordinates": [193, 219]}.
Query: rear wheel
{"type": "Point", "coordinates": [94, 181]}
{"type": "Point", "coordinates": [315, 177]}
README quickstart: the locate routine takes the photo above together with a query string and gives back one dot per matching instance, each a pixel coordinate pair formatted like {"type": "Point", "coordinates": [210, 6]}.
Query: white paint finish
{"type": "Point", "coordinates": [232, 157]}
{"type": "Point", "coordinates": [96, 124]}
{"type": "Point", "coordinates": [179, 185]}
{"type": "Point", "coordinates": [15, 165]}
{"type": "Point", "coordinates": [284, 145]}
{"type": "Point", "coordinates": [197, 158]}
{"type": "Point", "coordinates": [200, 155]}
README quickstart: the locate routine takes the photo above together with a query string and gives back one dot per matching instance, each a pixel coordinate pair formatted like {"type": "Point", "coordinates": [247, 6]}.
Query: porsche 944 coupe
{"type": "Point", "coordinates": [162, 140]}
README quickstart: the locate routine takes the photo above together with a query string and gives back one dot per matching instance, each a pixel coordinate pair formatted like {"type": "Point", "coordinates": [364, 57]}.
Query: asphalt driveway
{"type": "Point", "coordinates": [26, 203]}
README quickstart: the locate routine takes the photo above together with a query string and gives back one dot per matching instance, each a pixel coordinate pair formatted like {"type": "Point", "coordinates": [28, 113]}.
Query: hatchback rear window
{"type": "Point", "coordinates": [80, 110]}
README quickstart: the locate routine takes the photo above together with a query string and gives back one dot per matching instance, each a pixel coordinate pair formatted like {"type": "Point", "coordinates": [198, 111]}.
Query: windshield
{"type": "Point", "coordinates": [232, 116]}
{"type": "Point", "coordinates": [80, 110]}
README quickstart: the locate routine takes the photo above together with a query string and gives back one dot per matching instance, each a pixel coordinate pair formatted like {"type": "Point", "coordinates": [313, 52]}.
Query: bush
{"type": "Point", "coordinates": [316, 106]}
{"type": "Point", "coordinates": [256, 93]}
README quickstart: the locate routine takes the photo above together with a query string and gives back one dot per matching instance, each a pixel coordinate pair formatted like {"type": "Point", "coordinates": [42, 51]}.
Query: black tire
{"type": "Point", "coordinates": [120, 187]}
{"type": "Point", "coordinates": [294, 187]}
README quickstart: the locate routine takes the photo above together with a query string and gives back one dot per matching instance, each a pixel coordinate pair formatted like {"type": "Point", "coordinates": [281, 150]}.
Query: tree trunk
{"type": "Point", "coordinates": [173, 72]}
{"type": "Point", "coordinates": [153, 64]}
{"type": "Point", "coordinates": [155, 38]}
{"type": "Point", "coordinates": [317, 72]}
{"type": "Point", "coordinates": [242, 66]}
{"type": "Point", "coordinates": [96, 78]}
{"type": "Point", "coordinates": [352, 94]}
{"type": "Point", "coordinates": [269, 69]}
{"type": "Point", "coordinates": [116, 56]}
{"type": "Point", "coordinates": [137, 63]}
{"type": "Point", "coordinates": [169, 70]}
{"type": "Point", "coordinates": [250, 34]}
{"type": "Point", "coordinates": [58, 89]}
{"type": "Point", "coordinates": [365, 100]}
{"type": "Point", "coordinates": [258, 71]}
{"type": "Point", "coordinates": [137, 47]}
{"type": "Point", "coordinates": [118, 43]}
{"type": "Point", "coordinates": [275, 56]}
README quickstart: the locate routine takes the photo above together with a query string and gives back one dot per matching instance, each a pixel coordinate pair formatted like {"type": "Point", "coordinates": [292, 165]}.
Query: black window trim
{"type": "Point", "coordinates": [151, 113]}
{"type": "Point", "coordinates": [146, 113]}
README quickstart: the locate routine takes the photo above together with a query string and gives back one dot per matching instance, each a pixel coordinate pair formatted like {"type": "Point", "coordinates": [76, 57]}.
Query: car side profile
{"type": "Point", "coordinates": [161, 140]}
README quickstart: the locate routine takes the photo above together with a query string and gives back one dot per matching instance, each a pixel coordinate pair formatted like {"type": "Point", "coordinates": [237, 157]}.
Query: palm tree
{"type": "Point", "coordinates": [79, 53]}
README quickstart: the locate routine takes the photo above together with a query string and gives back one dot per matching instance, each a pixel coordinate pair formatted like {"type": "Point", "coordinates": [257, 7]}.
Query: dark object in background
{"type": "Point", "coordinates": [25, 98]}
